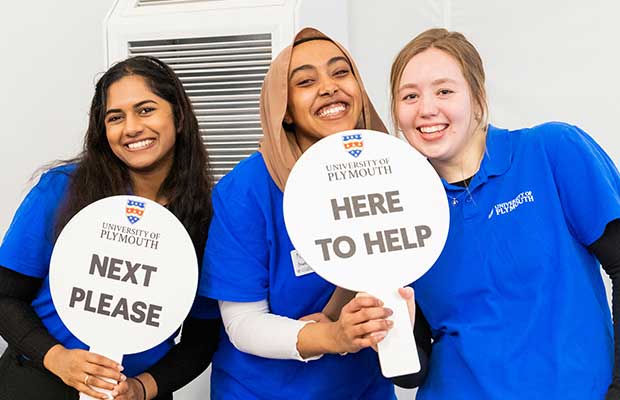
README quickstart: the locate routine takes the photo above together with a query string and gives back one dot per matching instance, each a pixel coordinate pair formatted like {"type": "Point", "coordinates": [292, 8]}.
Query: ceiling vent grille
{"type": "Point", "coordinates": [142, 3]}
{"type": "Point", "coordinates": [222, 76]}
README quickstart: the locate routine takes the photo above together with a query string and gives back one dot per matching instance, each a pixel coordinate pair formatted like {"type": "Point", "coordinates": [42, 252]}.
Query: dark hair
{"type": "Point", "coordinates": [99, 173]}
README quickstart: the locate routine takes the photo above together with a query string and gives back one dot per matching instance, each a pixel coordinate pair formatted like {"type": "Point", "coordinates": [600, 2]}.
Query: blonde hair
{"type": "Point", "coordinates": [457, 46]}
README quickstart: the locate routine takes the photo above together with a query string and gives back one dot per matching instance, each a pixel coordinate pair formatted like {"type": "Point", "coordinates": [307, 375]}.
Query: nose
{"type": "Point", "coordinates": [428, 106]}
{"type": "Point", "coordinates": [133, 125]}
{"type": "Point", "coordinates": [328, 87]}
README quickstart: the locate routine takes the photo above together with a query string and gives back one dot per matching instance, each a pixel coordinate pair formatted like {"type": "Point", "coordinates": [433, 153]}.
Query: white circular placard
{"type": "Point", "coordinates": [123, 274]}
{"type": "Point", "coordinates": [366, 211]}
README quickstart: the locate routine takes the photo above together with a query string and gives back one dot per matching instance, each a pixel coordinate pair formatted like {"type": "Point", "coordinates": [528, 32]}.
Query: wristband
{"type": "Point", "coordinates": [143, 387]}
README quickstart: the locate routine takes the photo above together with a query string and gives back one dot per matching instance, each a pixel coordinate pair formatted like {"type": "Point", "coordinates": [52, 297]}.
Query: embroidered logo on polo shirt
{"type": "Point", "coordinates": [510, 206]}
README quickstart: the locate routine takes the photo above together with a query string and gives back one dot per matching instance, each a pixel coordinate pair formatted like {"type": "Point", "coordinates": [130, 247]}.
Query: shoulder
{"type": "Point", "coordinates": [551, 134]}
{"type": "Point", "coordinates": [28, 242]}
{"type": "Point", "coordinates": [250, 176]}
{"type": "Point", "coordinates": [56, 179]}
{"type": "Point", "coordinates": [555, 140]}
{"type": "Point", "coordinates": [50, 188]}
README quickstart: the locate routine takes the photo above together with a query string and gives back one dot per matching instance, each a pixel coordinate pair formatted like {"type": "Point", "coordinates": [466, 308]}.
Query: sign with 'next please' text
{"type": "Point", "coordinates": [123, 275]}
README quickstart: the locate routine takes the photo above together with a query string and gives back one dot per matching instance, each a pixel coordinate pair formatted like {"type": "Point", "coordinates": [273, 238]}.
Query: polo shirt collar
{"type": "Point", "coordinates": [496, 161]}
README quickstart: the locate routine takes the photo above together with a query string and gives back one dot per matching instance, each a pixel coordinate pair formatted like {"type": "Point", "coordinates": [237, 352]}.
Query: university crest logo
{"type": "Point", "coordinates": [353, 144]}
{"type": "Point", "coordinates": [134, 210]}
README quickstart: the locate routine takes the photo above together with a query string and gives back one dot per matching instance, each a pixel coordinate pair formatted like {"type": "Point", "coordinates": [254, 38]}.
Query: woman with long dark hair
{"type": "Point", "coordinates": [142, 138]}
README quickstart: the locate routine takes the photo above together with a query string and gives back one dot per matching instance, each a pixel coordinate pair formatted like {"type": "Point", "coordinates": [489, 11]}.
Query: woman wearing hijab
{"type": "Point", "coordinates": [278, 345]}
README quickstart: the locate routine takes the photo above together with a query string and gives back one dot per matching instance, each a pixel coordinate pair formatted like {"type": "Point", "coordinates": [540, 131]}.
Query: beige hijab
{"type": "Point", "coordinates": [278, 146]}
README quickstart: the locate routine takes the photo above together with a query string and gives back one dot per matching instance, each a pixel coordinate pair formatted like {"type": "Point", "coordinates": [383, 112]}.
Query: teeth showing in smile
{"type": "Point", "coordinates": [432, 129]}
{"type": "Point", "coordinates": [331, 110]}
{"type": "Point", "coordinates": [140, 145]}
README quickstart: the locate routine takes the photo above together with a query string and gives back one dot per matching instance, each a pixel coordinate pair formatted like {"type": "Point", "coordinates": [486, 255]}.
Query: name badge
{"type": "Point", "coordinates": [300, 266]}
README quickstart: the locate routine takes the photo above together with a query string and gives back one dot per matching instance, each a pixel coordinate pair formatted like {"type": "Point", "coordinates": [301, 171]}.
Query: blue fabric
{"type": "Point", "coordinates": [248, 258]}
{"type": "Point", "coordinates": [516, 302]}
{"type": "Point", "coordinates": [27, 249]}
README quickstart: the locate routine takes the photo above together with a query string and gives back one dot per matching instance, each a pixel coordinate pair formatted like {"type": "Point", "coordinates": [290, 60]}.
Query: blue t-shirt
{"type": "Point", "coordinates": [27, 249]}
{"type": "Point", "coordinates": [248, 258]}
{"type": "Point", "coordinates": [516, 302]}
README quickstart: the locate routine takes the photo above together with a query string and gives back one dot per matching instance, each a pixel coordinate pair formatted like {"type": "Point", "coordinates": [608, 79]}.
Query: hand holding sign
{"type": "Point", "coordinates": [369, 213]}
{"type": "Point", "coordinates": [123, 275]}
{"type": "Point", "coordinates": [83, 370]}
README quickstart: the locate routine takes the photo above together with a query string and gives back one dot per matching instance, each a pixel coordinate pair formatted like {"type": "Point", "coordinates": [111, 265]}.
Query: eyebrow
{"type": "Point", "coordinates": [331, 61]}
{"type": "Point", "coordinates": [143, 102]}
{"type": "Point", "coordinates": [434, 83]}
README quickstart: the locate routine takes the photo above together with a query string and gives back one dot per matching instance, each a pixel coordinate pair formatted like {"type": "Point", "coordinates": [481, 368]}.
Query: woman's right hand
{"type": "Point", "coordinates": [83, 370]}
{"type": "Point", "coordinates": [407, 294]}
{"type": "Point", "coordinates": [362, 323]}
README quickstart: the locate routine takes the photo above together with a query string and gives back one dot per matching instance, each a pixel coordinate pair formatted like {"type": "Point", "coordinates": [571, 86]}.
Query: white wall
{"type": "Point", "coordinates": [329, 16]}
{"type": "Point", "coordinates": [52, 51]}
{"type": "Point", "coordinates": [545, 60]}
{"type": "Point", "coordinates": [51, 54]}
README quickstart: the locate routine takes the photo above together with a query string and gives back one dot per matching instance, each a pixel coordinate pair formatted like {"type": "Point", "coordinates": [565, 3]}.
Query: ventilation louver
{"type": "Point", "coordinates": [142, 3]}
{"type": "Point", "coordinates": [222, 76]}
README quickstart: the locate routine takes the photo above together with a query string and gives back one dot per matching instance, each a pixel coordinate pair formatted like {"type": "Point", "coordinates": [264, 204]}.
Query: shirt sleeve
{"type": "Point", "coordinates": [204, 308]}
{"type": "Point", "coordinates": [188, 358]}
{"type": "Point", "coordinates": [587, 181]}
{"type": "Point", "coordinates": [236, 260]}
{"type": "Point", "coordinates": [28, 243]}
{"type": "Point", "coordinates": [607, 251]}
{"type": "Point", "coordinates": [20, 326]}
{"type": "Point", "coordinates": [252, 329]}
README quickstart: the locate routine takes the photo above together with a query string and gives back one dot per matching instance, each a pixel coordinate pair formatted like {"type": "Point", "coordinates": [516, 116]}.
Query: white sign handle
{"type": "Point", "coordinates": [398, 354]}
{"type": "Point", "coordinates": [112, 355]}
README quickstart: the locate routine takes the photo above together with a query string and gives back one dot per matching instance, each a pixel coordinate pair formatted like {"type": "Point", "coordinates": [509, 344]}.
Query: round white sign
{"type": "Point", "coordinates": [366, 211]}
{"type": "Point", "coordinates": [123, 274]}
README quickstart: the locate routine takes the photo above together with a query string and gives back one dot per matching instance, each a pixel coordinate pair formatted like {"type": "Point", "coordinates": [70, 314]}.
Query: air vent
{"type": "Point", "coordinates": [223, 77]}
{"type": "Point", "coordinates": [142, 3]}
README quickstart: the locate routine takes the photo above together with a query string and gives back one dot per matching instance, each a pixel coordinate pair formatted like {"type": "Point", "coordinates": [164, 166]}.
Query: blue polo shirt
{"type": "Point", "coordinates": [516, 302]}
{"type": "Point", "coordinates": [27, 248]}
{"type": "Point", "coordinates": [248, 258]}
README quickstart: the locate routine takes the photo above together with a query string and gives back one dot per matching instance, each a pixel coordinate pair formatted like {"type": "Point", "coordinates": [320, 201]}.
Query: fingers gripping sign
{"type": "Point", "coordinates": [407, 294]}
{"type": "Point", "coordinates": [123, 277]}
{"type": "Point", "coordinates": [369, 221]}
{"type": "Point", "coordinates": [365, 321]}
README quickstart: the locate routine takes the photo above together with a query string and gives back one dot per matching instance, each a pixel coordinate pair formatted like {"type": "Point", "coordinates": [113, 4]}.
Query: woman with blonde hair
{"type": "Point", "coordinates": [515, 303]}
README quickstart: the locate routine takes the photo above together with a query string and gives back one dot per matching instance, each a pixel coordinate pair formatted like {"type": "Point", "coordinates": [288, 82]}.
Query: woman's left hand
{"type": "Point", "coordinates": [128, 390]}
{"type": "Point", "coordinates": [131, 389]}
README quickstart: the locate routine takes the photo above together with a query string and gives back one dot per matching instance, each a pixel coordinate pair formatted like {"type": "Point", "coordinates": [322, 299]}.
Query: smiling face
{"type": "Point", "coordinates": [140, 126]}
{"type": "Point", "coordinates": [323, 94]}
{"type": "Point", "coordinates": [436, 112]}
